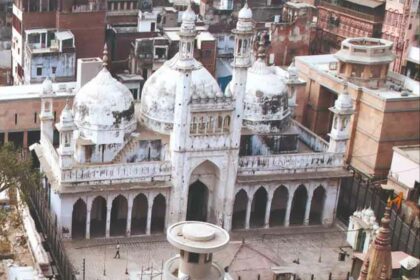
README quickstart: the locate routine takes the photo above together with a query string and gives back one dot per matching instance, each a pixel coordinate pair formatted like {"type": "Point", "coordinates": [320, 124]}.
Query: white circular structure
{"type": "Point", "coordinates": [158, 96]}
{"type": "Point", "coordinates": [245, 12]}
{"type": "Point", "coordinates": [47, 86]}
{"type": "Point", "coordinates": [104, 110]}
{"type": "Point", "coordinates": [197, 237]}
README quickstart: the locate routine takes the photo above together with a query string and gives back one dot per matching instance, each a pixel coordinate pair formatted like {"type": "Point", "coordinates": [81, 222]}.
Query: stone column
{"type": "Point", "coordinates": [308, 209]}
{"type": "Point", "coordinates": [129, 211]}
{"type": "Point", "coordinates": [88, 209]}
{"type": "Point", "coordinates": [149, 218]}
{"type": "Point", "coordinates": [267, 211]}
{"type": "Point", "coordinates": [288, 209]}
{"type": "Point", "coordinates": [108, 217]}
{"type": "Point", "coordinates": [248, 213]}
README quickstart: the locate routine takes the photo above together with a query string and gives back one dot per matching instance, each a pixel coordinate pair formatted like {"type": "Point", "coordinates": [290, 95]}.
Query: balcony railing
{"type": "Point", "coordinates": [141, 171]}
{"type": "Point", "coordinates": [289, 163]}
{"type": "Point", "coordinates": [350, 12]}
{"type": "Point", "coordinates": [313, 141]}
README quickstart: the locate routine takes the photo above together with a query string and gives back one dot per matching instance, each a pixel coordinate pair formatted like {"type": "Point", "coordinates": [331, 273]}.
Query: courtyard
{"type": "Point", "coordinates": [305, 249]}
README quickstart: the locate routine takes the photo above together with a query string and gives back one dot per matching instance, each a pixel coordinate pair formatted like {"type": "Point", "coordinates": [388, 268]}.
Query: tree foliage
{"type": "Point", "coordinates": [16, 170]}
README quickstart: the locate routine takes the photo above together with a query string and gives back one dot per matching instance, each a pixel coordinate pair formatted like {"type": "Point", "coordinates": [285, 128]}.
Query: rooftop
{"type": "Point", "coordinates": [412, 152]}
{"type": "Point", "coordinates": [10, 93]}
{"type": "Point", "coordinates": [396, 87]}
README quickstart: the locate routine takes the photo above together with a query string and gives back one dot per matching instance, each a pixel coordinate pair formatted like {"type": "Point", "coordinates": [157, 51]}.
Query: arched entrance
{"type": "Point", "coordinates": [98, 217]}
{"type": "Point", "coordinates": [78, 221]}
{"type": "Point", "coordinates": [158, 214]}
{"type": "Point", "coordinates": [198, 196]}
{"type": "Point", "coordinates": [297, 213]}
{"type": "Point", "coordinates": [259, 203]}
{"type": "Point", "coordinates": [139, 215]}
{"type": "Point", "coordinates": [279, 206]}
{"type": "Point", "coordinates": [317, 206]}
{"type": "Point", "coordinates": [118, 216]}
{"type": "Point", "coordinates": [239, 210]}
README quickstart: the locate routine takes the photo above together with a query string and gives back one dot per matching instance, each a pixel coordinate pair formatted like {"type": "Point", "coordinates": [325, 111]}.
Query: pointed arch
{"type": "Point", "coordinates": [239, 210]}
{"type": "Point", "coordinates": [297, 214]}
{"type": "Point", "coordinates": [139, 215]}
{"type": "Point", "coordinates": [98, 217]}
{"type": "Point", "coordinates": [279, 206]}
{"type": "Point", "coordinates": [258, 206]}
{"type": "Point", "coordinates": [78, 221]}
{"type": "Point", "coordinates": [119, 211]}
{"type": "Point", "coordinates": [317, 205]}
{"type": "Point", "coordinates": [158, 214]}
{"type": "Point", "coordinates": [197, 206]}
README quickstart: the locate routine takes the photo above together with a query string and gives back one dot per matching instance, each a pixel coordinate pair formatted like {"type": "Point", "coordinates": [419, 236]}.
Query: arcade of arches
{"type": "Point", "coordinates": [279, 207]}
{"type": "Point", "coordinates": [118, 216]}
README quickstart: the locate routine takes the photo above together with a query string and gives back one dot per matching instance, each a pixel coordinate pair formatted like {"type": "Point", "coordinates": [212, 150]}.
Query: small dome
{"type": "Point", "coordinates": [189, 15]}
{"type": "Point", "coordinates": [158, 95]}
{"type": "Point", "coordinates": [265, 97]}
{"type": "Point", "coordinates": [104, 106]}
{"type": "Point", "coordinates": [245, 12]}
{"type": "Point", "coordinates": [344, 101]}
{"type": "Point", "coordinates": [47, 86]}
{"type": "Point", "coordinates": [292, 71]}
{"type": "Point", "coordinates": [66, 115]}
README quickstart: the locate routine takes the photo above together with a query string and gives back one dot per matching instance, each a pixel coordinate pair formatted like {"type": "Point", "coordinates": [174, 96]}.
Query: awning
{"type": "Point", "coordinates": [414, 55]}
{"type": "Point", "coordinates": [63, 35]}
{"type": "Point", "coordinates": [367, 3]}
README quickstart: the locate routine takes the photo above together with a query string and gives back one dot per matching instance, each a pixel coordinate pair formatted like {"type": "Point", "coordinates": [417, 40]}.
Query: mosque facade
{"type": "Point", "coordinates": [188, 151]}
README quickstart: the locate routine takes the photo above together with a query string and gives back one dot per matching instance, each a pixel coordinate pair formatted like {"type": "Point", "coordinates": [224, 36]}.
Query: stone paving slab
{"type": "Point", "coordinates": [260, 251]}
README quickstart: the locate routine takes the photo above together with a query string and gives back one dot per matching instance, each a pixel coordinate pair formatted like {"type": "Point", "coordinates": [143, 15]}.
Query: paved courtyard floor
{"type": "Point", "coordinates": [248, 255]}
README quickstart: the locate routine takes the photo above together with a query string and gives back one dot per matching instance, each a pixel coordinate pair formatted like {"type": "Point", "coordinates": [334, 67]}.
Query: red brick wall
{"type": "Point", "coordinates": [207, 56]}
{"type": "Point", "coordinates": [88, 29]}
{"type": "Point", "coordinates": [38, 20]}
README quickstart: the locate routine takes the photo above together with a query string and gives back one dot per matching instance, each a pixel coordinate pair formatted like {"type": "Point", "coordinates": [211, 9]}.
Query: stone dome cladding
{"type": "Point", "coordinates": [158, 96]}
{"type": "Point", "coordinates": [103, 103]}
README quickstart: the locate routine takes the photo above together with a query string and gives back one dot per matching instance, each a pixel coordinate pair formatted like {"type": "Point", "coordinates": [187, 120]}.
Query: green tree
{"type": "Point", "coordinates": [16, 170]}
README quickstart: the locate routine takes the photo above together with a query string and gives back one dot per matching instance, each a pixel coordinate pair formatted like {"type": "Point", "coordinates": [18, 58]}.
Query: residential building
{"type": "Point", "coordinates": [338, 20]}
{"type": "Point", "coordinates": [74, 17]}
{"type": "Point", "coordinates": [401, 26]}
{"type": "Point", "coordinates": [383, 101]}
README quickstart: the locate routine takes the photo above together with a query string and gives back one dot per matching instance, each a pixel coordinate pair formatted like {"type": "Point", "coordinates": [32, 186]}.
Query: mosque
{"type": "Point", "coordinates": [190, 152]}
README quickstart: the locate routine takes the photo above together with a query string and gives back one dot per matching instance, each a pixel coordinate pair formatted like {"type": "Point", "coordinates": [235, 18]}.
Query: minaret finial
{"type": "Point", "coordinates": [261, 48]}
{"type": "Point", "coordinates": [105, 57]}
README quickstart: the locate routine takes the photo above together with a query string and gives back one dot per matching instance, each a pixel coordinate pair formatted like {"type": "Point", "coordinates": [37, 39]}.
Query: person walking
{"type": "Point", "coordinates": [117, 253]}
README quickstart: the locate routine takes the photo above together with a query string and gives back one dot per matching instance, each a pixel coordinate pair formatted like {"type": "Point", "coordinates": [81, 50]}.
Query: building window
{"type": "Point", "coordinates": [55, 116]}
{"type": "Point", "coordinates": [16, 119]}
{"type": "Point", "coordinates": [53, 70]}
{"type": "Point", "coordinates": [134, 91]}
{"type": "Point", "coordinates": [39, 71]}
{"type": "Point", "coordinates": [35, 117]}
{"type": "Point", "coordinates": [193, 257]}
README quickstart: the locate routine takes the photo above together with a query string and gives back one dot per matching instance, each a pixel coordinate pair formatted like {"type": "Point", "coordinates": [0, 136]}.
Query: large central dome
{"type": "Point", "coordinates": [158, 96]}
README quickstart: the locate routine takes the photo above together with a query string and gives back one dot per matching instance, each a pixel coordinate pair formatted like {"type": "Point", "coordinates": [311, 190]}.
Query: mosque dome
{"type": "Point", "coordinates": [104, 109]}
{"type": "Point", "coordinates": [188, 15]}
{"type": "Point", "coordinates": [66, 115]}
{"type": "Point", "coordinates": [158, 95]}
{"type": "Point", "coordinates": [344, 101]}
{"type": "Point", "coordinates": [266, 96]}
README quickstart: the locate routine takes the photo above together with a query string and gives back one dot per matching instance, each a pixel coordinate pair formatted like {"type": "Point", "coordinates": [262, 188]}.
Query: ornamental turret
{"type": "Point", "coordinates": [65, 128]}
{"type": "Point", "coordinates": [343, 110]}
{"type": "Point", "coordinates": [47, 115]}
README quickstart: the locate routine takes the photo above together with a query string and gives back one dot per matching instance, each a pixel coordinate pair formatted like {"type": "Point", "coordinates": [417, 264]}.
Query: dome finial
{"type": "Point", "coordinates": [105, 57]}
{"type": "Point", "coordinates": [261, 48]}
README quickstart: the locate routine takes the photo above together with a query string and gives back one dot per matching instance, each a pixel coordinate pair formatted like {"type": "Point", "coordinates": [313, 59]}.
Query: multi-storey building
{"type": "Point", "coordinates": [188, 151]}
{"type": "Point", "coordinates": [401, 26]}
{"type": "Point", "coordinates": [348, 18]}
{"type": "Point", "coordinates": [49, 53]}
{"type": "Point", "coordinates": [85, 20]}
{"type": "Point", "coordinates": [384, 101]}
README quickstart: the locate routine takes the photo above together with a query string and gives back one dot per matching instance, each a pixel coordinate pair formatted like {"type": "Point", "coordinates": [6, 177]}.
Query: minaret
{"type": "Point", "coordinates": [184, 66]}
{"type": "Point", "coordinates": [292, 84]}
{"type": "Point", "coordinates": [65, 127]}
{"type": "Point", "coordinates": [244, 33]}
{"type": "Point", "coordinates": [343, 109]}
{"type": "Point", "coordinates": [47, 116]}
{"type": "Point", "coordinates": [378, 262]}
